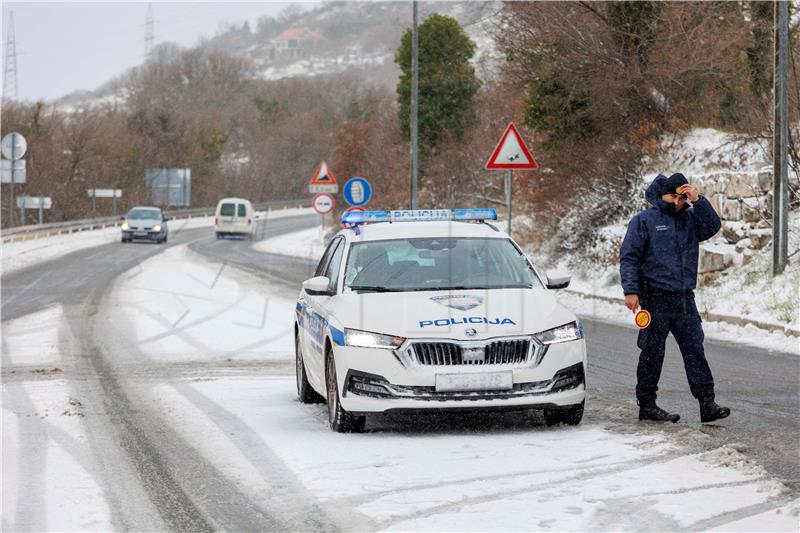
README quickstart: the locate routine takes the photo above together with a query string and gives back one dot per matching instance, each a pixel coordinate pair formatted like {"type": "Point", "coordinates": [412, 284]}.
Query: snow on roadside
{"type": "Point", "coordinates": [308, 244]}
{"type": "Point", "coordinates": [174, 305]}
{"type": "Point", "coordinates": [49, 480]}
{"type": "Point", "coordinates": [32, 340]}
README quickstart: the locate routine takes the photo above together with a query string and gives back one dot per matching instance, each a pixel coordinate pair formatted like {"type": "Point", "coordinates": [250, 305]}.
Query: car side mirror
{"type": "Point", "coordinates": [122, 218]}
{"type": "Point", "coordinates": [558, 280]}
{"type": "Point", "coordinates": [317, 286]}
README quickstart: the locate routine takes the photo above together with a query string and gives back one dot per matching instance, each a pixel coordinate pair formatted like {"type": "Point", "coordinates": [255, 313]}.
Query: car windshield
{"type": "Point", "coordinates": [429, 264]}
{"type": "Point", "coordinates": [140, 214]}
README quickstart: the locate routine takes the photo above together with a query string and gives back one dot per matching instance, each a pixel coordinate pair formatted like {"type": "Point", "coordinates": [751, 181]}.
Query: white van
{"type": "Point", "coordinates": [235, 216]}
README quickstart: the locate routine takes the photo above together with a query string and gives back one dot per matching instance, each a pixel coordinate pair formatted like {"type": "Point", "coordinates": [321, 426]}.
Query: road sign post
{"type": "Point", "coordinates": [94, 194]}
{"type": "Point", "coordinates": [33, 202]}
{"type": "Point", "coordinates": [510, 153]}
{"type": "Point", "coordinates": [13, 146]}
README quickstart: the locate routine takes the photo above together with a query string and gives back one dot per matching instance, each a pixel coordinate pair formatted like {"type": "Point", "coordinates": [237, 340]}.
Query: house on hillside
{"type": "Point", "coordinates": [295, 43]}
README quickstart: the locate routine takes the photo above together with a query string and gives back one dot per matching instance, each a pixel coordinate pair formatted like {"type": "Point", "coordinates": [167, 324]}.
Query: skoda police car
{"type": "Point", "coordinates": [434, 310]}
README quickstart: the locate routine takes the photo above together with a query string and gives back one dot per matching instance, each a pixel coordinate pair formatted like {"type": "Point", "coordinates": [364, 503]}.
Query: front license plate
{"type": "Point", "coordinates": [474, 382]}
{"type": "Point", "coordinates": [140, 233]}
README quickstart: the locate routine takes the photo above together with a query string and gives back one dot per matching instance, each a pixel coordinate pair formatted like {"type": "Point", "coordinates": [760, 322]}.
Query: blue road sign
{"type": "Point", "coordinates": [357, 191]}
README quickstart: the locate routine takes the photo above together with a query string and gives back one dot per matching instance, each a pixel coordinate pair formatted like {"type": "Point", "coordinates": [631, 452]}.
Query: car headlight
{"type": "Point", "coordinates": [568, 332]}
{"type": "Point", "coordinates": [366, 339]}
{"type": "Point", "coordinates": [125, 225]}
{"type": "Point", "coordinates": [157, 227]}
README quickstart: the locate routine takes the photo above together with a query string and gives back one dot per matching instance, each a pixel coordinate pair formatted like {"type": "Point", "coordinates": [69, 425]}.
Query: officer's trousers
{"type": "Point", "coordinates": [673, 312]}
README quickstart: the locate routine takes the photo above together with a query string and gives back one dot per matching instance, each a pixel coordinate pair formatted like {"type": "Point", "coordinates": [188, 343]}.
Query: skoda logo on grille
{"type": "Point", "coordinates": [471, 332]}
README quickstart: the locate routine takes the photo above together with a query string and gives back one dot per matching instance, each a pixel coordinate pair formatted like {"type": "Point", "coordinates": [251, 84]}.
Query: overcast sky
{"type": "Point", "coordinates": [66, 46]}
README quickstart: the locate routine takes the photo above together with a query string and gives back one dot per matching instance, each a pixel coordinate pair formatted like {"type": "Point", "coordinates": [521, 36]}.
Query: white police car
{"type": "Point", "coordinates": [438, 309]}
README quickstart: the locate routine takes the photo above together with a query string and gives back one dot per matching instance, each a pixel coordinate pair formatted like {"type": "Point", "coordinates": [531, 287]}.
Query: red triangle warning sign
{"type": "Point", "coordinates": [323, 176]}
{"type": "Point", "coordinates": [511, 152]}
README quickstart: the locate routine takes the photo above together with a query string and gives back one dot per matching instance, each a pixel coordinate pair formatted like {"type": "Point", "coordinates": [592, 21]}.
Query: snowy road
{"type": "Point", "coordinates": [150, 388]}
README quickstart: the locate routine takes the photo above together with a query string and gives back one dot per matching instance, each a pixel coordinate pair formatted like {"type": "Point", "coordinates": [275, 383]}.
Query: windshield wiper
{"type": "Point", "coordinates": [373, 288]}
{"type": "Point", "coordinates": [465, 288]}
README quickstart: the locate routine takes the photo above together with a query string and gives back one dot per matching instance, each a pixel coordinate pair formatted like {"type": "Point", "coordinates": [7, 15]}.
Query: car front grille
{"type": "Point", "coordinates": [501, 352]}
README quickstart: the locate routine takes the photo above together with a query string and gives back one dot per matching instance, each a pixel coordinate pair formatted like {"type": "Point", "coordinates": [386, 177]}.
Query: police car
{"type": "Point", "coordinates": [434, 310]}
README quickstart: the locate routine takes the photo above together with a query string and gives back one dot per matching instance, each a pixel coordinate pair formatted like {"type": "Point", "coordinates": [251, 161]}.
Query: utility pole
{"type": "Point", "coordinates": [149, 33]}
{"type": "Point", "coordinates": [414, 108]}
{"type": "Point", "coordinates": [780, 141]}
{"type": "Point", "coordinates": [10, 88]}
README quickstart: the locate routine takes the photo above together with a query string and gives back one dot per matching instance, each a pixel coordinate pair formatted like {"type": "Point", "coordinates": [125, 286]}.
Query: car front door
{"type": "Point", "coordinates": [313, 332]}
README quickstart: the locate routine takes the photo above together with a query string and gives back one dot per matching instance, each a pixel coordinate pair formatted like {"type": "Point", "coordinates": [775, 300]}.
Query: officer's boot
{"type": "Point", "coordinates": [648, 410]}
{"type": "Point", "coordinates": [710, 411]}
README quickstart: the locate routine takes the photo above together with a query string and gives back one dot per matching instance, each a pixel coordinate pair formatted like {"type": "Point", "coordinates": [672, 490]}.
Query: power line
{"type": "Point", "coordinates": [10, 86]}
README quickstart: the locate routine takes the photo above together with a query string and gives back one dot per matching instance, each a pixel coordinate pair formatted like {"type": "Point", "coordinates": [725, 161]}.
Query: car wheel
{"type": "Point", "coordinates": [571, 415]}
{"type": "Point", "coordinates": [165, 238]}
{"type": "Point", "coordinates": [125, 240]}
{"type": "Point", "coordinates": [340, 420]}
{"type": "Point", "coordinates": [305, 392]}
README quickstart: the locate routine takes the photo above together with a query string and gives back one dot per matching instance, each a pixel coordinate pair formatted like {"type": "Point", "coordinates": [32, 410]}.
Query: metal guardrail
{"type": "Point", "coordinates": [36, 231]}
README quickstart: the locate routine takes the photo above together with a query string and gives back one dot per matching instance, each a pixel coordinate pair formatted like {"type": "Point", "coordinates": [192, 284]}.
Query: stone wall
{"type": "Point", "coordinates": [744, 203]}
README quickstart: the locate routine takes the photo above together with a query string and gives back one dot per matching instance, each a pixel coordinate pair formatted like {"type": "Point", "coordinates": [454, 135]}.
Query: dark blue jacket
{"type": "Point", "coordinates": [662, 246]}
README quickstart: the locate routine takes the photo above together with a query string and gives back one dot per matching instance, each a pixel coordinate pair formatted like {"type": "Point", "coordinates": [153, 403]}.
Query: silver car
{"type": "Point", "coordinates": [145, 223]}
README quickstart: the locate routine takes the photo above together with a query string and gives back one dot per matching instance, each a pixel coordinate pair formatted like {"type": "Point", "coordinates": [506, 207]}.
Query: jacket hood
{"type": "Point", "coordinates": [653, 195]}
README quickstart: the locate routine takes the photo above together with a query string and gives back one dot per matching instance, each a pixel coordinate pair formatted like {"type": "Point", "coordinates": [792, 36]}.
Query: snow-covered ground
{"type": "Point", "coordinates": [22, 254]}
{"type": "Point", "coordinates": [308, 244]}
{"type": "Point", "coordinates": [505, 474]}
{"type": "Point", "coordinates": [178, 307]}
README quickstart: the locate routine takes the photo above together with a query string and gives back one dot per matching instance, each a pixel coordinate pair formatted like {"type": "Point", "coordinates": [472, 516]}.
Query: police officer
{"type": "Point", "coordinates": [658, 269]}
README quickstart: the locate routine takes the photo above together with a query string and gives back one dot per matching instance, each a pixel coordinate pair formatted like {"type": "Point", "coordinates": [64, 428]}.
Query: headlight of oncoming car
{"type": "Point", "coordinates": [568, 332]}
{"type": "Point", "coordinates": [367, 339]}
{"type": "Point", "coordinates": [125, 225]}
{"type": "Point", "coordinates": [157, 227]}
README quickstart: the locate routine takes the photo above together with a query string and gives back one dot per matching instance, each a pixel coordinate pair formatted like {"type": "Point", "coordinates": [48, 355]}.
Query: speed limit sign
{"type": "Point", "coordinates": [323, 203]}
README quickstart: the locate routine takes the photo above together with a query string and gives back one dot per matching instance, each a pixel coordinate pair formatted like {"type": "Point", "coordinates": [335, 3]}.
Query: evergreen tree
{"type": "Point", "coordinates": [447, 81]}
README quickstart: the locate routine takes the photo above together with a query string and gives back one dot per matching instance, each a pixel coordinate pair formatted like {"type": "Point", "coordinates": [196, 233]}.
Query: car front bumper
{"type": "Point", "coordinates": [142, 235]}
{"type": "Point", "coordinates": [374, 380]}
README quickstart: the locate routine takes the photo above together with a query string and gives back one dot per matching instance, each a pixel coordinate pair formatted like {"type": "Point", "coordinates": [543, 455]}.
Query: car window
{"type": "Point", "coordinates": [324, 261]}
{"type": "Point", "coordinates": [332, 270]}
{"type": "Point", "coordinates": [438, 264]}
{"type": "Point", "coordinates": [242, 210]}
{"type": "Point", "coordinates": [227, 210]}
{"type": "Point", "coordinates": [141, 214]}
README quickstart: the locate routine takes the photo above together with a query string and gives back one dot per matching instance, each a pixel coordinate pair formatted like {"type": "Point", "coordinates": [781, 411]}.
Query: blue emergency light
{"type": "Point", "coordinates": [353, 218]}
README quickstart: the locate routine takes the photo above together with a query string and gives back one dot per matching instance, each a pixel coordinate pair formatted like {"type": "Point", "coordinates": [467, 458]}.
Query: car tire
{"type": "Point", "coordinates": [305, 392]}
{"type": "Point", "coordinates": [165, 238]}
{"type": "Point", "coordinates": [570, 415]}
{"type": "Point", "coordinates": [340, 420]}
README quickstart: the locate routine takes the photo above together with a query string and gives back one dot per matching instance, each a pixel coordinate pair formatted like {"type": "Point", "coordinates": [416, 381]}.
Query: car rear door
{"type": "Point", "coordinates": [227, 215]}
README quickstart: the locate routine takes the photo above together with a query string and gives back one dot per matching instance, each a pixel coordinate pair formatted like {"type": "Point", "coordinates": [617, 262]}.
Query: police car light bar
{"type": "Point", "coordinates": [352, 218]}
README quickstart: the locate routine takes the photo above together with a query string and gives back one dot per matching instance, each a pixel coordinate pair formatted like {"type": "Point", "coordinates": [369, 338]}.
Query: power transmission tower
{"type": "Point", "coordinates": [149, 33]}
{"type": "Point", "coordinates": [10, 88]}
